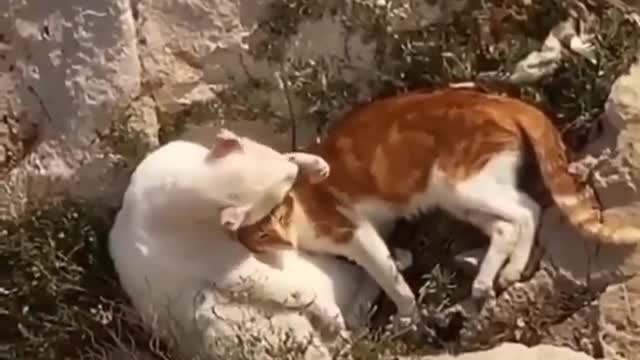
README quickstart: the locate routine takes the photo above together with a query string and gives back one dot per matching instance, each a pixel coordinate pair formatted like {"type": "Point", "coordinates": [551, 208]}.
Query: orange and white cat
{"type": "Point", "coordinates": [456, 148]}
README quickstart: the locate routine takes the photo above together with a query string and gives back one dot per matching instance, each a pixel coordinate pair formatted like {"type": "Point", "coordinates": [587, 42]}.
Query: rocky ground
{"type": "Point", "coordinates": [88, 88]}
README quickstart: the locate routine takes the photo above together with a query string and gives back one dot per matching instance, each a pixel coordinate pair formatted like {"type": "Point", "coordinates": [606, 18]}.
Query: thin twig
{"type": "Point", "coordinates": [625, 293]}
{"type": "Point", "coordinates": [292, 116]}
{"type": "Point", "coordinates": [33, 91]}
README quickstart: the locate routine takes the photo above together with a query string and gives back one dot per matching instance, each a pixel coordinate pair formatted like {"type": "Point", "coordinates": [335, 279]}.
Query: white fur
{"type": "Point", "coordinates": [172, 256]}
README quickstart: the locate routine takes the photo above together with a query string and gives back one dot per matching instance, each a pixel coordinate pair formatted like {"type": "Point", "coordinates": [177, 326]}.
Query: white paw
{"type": "Point", "coordinates": [314, 167]}
{"type": "Point", "coordinates": [328, 319]}
{"type": "Point", "coordinates": [482, 290]}
{"type": "Point", "coordinates": [509, 275]}
{"type": "Point", "coordinates": [318, 170]}
{"type": "Point", "coordinates": [403, 258]}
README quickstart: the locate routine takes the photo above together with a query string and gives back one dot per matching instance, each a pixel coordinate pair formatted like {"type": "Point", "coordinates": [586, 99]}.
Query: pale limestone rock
{"type": "Point", "coordinates": [192, 50]}
{"type": "Point", "coordinates": [73, 66]}
{"type": "Point", "coordinates": [616, 265]}
{"type": "Point", "coordinates": [619, 305]}
{"type": "Point", "coordinates": [514, 351]}
{"type": "Point", "coordinates": [620, 327]}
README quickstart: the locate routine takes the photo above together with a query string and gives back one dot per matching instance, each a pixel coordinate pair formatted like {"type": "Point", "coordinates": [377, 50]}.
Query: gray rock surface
{"type": "Point", "coordinates": [67, 71]}
{"type": "Point", "coordinates": [618, 308]}
{"type": "Point", "coordinates": [515, 351]}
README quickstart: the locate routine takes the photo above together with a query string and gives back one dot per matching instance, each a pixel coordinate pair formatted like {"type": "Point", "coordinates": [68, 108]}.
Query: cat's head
{"type": "Point", "coordinates": [271, 233]}
{"type": "Point", "coordinates": [248, 178]}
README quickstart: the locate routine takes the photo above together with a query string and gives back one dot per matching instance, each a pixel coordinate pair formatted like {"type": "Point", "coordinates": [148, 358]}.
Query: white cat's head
{"type": "Point", "coordinates": [250, 178]}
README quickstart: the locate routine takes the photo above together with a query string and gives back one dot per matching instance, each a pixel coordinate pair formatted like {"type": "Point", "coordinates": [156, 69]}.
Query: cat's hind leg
{"type": "Point", "coordinates": [503, 241]}
{"type": "Point", "coordinates": [510, 218]}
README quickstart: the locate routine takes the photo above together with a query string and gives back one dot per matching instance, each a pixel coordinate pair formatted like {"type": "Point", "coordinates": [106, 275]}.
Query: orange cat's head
{"type": "Point", "coordinates": [273, 232]}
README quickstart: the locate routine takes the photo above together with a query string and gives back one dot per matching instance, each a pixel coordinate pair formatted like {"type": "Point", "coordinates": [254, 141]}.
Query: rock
{"type": "Point", "coordinates": [194, 51]}
{"type": "Point", "coordinates": [620, 319]}
{"type": "Point", "coordinates": [515, 351]}
{"type": "Point", "coordinates": [73, 66]}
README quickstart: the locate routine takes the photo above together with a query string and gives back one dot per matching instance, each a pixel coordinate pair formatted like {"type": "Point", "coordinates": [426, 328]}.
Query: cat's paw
{"type": "Point", "coordinates": [318, 170]}
{"type": "Point", "coordinates": [328, 319]}
{"type": "Point", "coordinates": [482, 290]}
{"type": "Point", "coordinates": [314, 167]}
{"type": "Point", "coordinates": [509, 275]}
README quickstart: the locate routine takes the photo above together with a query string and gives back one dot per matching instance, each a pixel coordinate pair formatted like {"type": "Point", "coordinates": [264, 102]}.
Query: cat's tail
{"type": "Point", "coordinates": [577, 200]}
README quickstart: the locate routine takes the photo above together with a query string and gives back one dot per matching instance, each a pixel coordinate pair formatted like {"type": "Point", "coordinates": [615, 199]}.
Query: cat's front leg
{"type": "Point", "coordinates": [369, 290]}
{"type": "Point", "coordinates": [313, 166]}
{"type": "Point", "coordinates": [368, 249]}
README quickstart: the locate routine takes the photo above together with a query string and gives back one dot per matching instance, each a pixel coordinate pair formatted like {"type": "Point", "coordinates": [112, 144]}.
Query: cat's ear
{"type": "Point", "coordinates": [233, 216]}
{"type": "Point", "coordinates": [225, 143]}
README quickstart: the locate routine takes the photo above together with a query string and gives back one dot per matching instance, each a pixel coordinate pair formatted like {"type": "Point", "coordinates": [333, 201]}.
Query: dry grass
{"type": "Point", "coordinates": [59, 299]}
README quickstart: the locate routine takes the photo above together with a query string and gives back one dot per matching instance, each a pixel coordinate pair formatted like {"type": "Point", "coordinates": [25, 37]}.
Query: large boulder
{"type": "Point", "coordinates": [67, 72]}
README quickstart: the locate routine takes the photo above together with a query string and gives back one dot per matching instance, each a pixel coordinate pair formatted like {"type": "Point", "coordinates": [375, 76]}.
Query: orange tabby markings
{"type": "Point", "coordinates": [455, 148]}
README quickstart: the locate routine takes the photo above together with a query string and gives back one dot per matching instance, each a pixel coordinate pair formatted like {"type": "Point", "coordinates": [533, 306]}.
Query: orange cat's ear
{"type": "Point", "coordinates": [233, 216]}
{"type": "Point", "coordinates": [225, 143]}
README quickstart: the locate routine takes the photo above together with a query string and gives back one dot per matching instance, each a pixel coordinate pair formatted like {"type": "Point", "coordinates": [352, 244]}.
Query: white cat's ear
{"type": "Point", "coordinates": [232, 217]}
{"type": "Point", "coordinates": [225, 143]}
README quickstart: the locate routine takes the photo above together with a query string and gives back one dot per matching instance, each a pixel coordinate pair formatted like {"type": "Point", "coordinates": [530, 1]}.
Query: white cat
{"type": "Point", "coordinates": [173, 256]}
